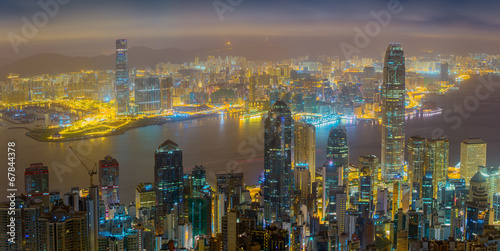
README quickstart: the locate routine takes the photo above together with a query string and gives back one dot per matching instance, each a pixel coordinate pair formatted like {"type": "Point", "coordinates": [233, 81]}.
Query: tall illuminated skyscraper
{"type": "Point", "coordinates": [472, 155]}
{"type": "Point", "coordinates": [169, 182]}
{"type": "Point", "coordinates": [335, 169]}
{"type": "Point", "coordinates": [122, 77]}
{"type": "Point", "coordinates": [365, 191]}
{"type": "Point", "coordinates": [416, 159]}
{"type": "Point", "coordinates": [109, 180]}
{"type": "Point", "coordinates": [437, 162]}
{"type": "Point", "coordinates": [167, 97]}
{"type": "Point", "coordinates": [393, 112]}
{"type": "Point", "coordinates": [278, 182]}
{"type": "Point", "coordinates": [337, 152]}
{"type": "Point", "coordinates": [304, 151]}
{"type": "Point", "coordinates": [372, 163]}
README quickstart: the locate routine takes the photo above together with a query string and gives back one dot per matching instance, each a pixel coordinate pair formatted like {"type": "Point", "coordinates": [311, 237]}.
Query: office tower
{"type": "Point", "coordinates": [437, 161]}
{"type": "Point", "coordinates": [302, 181]}
{"type": "Point", "coordinates": [251, 91]}
{"type": "Point", "coordinates": [145, 197]}
{"type": "Point", "coordinates": [122, 78]}
{"type": "Point", "coordinates": [393, 112]}
{"type": "Point", "coordinates": [109, 180]}
{"type": "Point", "coordinates": [278, 177]}
{"type": "Point", "coordinates": [337, 155]}
{"type": "Point", "coordinates": [427, 191]}
{"type": "Point", "coordinates": [26, 212]}
{"type": "Point", "coordinates": [396, 197]}
{"type": "Point", "coordinates": [335, 171]}
{"type": "Point", "coordinates": [167, 95]}
{"type": "Point", "coordinates": [373, 164]}
{"type": "Point", "coordinates": [148, 94]}
{"type": "Point", "coordinates": [416, 160]}
{"type": "Point", "coordinates": [63, 229]}
{"type": "Point", "coordinates": [304, 151]}
{"type": "Point", "coordinates": [169, 183]}
{"type": "Point", "coordinates": [365, 191]}
{"type": "Point", "coordinates": [200, 215]}
{"type": "Point", "coordinates": [36, 181]}
{"type": "Point", "coordinates": [369, 83]}
{"type": "Point", "coordinates": [472, 155]}
{"type": "Point", "coordinates": [444, 71]}
{"type": "Point", "coordinates": [231, 186]}
{"type": "Point", "coordinates": [492, 176]}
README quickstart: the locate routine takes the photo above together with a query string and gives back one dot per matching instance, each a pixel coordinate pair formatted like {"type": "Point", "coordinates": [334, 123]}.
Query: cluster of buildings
{"type": "Point", "coordinates": [408, 199]}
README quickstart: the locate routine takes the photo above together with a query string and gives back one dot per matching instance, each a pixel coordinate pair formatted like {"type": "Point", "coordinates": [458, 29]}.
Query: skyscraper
{"type": "Point", "coordinates": [335, 171]}
{"type": "Point", "coordinates": [372, 163]}
{"type": "Point", "coordinates": [337, 153]}
{"type": "Point", "coordinates": [437, 161]}
{"type": "Point", "coordinates": [369, 83]}
{"type": "Point", "coordinates": [365, 191]}
{"type": "Point", "coordinates": [393, 112]}
{"type": "Point", "coordinates": [167, 92]}
{"type": "Point", "coordinates": [169, 183]}
{"type": "Point", "coordinates": [444, 71]}
{"type": "Point", "coordinates": [109, 180]}
{"type": "Point", "coordinates": [251, 91]}
{"type": "Point", "coordinates": [416, 159]}
{"type": "Point", "coordinates": [147, 94]}
{"type": "Point", "coordinates": [472, 155]}
{"type": "Point", "coordinates": [396, 197]}
{"type": "Point", "coordinates": [304, 149]}
{"type": "Point", "coordinates": [278, 177]}
{"type": "Point", "coordinates": [122, 77]}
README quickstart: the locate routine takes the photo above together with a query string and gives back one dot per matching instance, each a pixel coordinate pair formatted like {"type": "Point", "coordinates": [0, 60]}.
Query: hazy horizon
{"type": "Point", "coordinates": [89, 28]}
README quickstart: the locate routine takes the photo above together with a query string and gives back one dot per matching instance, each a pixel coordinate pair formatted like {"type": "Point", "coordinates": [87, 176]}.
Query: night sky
{"type": "Point", "coordinates": [87, 27]}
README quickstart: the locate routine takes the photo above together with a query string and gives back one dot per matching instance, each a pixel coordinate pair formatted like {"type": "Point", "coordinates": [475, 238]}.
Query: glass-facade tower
{"type": "Point", "coordinates": [278, 182]}
{"type": "Point", "coordinates": [393, 112]}
{"type": "Point", "coordinates": [122, 77]}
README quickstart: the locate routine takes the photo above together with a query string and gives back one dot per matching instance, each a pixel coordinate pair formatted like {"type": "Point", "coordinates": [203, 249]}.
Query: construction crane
{"type": "Point", "coordinates": [92, 171]}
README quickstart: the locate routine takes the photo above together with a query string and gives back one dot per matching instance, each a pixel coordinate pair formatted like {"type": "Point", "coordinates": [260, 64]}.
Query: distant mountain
{"type": "Point", "coordinates": [139, 57]}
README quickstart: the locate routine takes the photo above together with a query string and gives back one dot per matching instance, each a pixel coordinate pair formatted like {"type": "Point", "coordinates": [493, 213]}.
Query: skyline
{"type": "Point", "coordinates": [250, 125]}
{"type": "Point", "coordinates": [420, 26]}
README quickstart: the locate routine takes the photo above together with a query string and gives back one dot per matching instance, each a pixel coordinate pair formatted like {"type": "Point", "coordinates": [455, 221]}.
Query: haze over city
{"type": "Point", "coordinates": [229, 125]}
